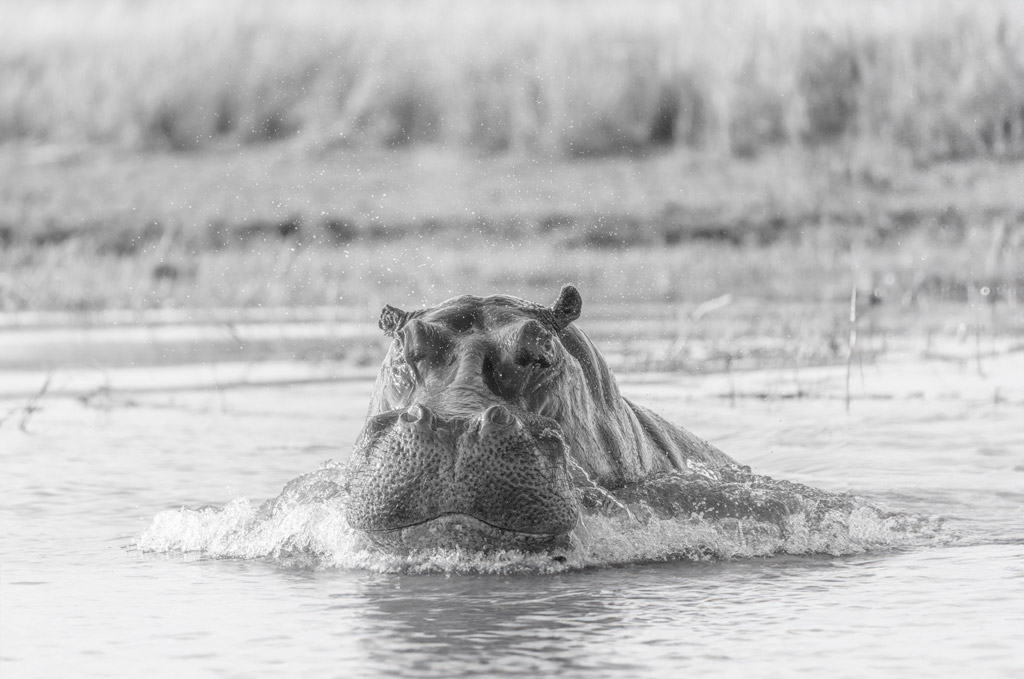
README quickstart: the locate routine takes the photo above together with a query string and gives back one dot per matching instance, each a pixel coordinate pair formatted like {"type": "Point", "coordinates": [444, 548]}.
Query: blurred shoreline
{"type": "Point", "coordinates": [273, 227]}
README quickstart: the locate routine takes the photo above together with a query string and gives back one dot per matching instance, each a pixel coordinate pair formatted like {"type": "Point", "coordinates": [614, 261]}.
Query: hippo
{"type": "Point", "coordinates": [494, 419]}
{"type": "Point", "coordinates": [496, 436]}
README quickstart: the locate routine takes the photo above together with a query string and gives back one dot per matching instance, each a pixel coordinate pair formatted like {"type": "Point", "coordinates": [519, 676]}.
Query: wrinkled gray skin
{"type": "Point", "coordinates": [495, 480]}
{"type": "Point", "coordinates": [486, 414]}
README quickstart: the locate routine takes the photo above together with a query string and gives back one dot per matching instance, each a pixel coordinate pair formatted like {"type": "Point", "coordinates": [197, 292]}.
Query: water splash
{"type": "Point", "coordinates": [681, 515]}
{"type": "Point", "coordinates": [591, 492]}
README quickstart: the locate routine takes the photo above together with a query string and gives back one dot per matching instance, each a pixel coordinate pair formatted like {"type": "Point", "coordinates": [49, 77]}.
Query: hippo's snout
{"type": "Point", "coordinates": [494, 480]}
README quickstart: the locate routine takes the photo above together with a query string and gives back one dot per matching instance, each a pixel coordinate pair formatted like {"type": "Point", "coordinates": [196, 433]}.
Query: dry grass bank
{"type": "Point", "coordinates": [124, 203]}
{"type": "Point", "coordinates": [936, 79]}
{"type": "Point", "coordinates": [274, 228]}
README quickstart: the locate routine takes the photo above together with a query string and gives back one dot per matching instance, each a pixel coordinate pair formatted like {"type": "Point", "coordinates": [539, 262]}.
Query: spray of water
{"type": "Point", "coordinates": [683, 515]}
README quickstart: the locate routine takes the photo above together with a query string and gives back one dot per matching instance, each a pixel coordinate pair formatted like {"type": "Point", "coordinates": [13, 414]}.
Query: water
{"type": "Point", "coordinates": [82, 486]}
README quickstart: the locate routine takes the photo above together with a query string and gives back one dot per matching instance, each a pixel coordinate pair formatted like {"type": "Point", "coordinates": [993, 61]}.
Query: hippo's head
{"type": "Point", "coordinates": [470, 353]}
{"type": "Point", "coordinates": [466, 443]}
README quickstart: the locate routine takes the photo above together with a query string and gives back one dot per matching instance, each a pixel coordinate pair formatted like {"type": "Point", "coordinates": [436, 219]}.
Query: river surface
{"type": "Point", "coordinates": [91, 488]}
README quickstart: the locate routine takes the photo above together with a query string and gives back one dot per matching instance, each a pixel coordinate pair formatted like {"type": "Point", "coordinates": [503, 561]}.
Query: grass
{"type": "Point", "coordinates": [934, 79]}
{"type": "Point", "coordinates": [251, 154]}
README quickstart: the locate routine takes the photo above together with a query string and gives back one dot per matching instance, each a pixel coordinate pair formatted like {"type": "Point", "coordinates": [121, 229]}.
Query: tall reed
{"type": "Point", "coordinates": [939, 78]}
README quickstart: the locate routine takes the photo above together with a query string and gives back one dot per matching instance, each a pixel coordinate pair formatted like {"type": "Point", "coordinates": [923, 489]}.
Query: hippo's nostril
{"type": "Point", "coordinates": [417, 413]}
{"type": "Point", "coordinates": [498, 415]}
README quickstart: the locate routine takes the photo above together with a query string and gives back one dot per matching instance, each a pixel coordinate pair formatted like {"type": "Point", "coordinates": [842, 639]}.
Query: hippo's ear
{"type": "Point", "coordinates": [391, 320]}
{"type": "Point", "coordinates": [567, 307]}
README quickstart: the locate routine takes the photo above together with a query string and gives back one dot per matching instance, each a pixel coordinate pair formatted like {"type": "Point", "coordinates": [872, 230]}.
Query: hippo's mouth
{"type": "Point", "coordinates": [456, 518]}
{"type": "Point", "coordinates": [494, 481]}
{"type": "Point", "coordinates": [462, 531]}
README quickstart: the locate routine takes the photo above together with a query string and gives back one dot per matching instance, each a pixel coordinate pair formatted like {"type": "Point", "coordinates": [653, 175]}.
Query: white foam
{"type": "Point", "coordinates": [315, 533]}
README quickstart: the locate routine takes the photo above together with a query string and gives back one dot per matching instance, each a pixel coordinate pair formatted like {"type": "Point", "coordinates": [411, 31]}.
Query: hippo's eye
{"type": "Point", "coordinates": [415, 354]}
{"type": "Point", "coordinates": [535, 347]}
{"type": "Point", "coordinates": [526, 359]}
{"type": "Point", "coordinates": [422, 341]}
{"type": "Point", "coordinates": [461, 323]}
